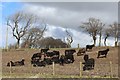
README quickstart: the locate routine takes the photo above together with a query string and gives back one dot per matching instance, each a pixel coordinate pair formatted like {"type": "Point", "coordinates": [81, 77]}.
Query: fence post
{"type": "Point", "coordinates": [10, 68]}
{"type": "Point", "coordinates": [80, 69]}
{"type": "Point", "coordinates": [53, 68]}
{"type": "Point", "coordinates": [78, 46]}
{"type": "Point", "coordinates": [111, 68]}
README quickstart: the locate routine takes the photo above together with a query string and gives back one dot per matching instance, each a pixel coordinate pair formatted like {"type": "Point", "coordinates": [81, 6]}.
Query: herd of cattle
{"type": "Point", "coordinates": [45, 57]}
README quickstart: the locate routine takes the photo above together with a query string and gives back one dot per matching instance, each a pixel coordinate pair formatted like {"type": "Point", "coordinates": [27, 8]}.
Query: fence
{"type": "Point", "coordinates": [69, 70]}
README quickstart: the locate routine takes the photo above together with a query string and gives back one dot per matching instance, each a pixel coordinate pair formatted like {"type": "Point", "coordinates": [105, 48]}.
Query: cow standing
{"type": "Point", "coordinates": [69, 58]}
{"type": "Point", "coordinates": [103, 52]}
{"type": "Point", "coordinates": [89, 47]}
{"type": "Point", "coordinates": [52, 56]}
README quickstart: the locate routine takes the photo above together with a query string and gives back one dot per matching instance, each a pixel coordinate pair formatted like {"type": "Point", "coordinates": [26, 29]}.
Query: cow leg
{"type": "Point", "coordinates": [84, 68]}
{"type": "Point", "coordinates": [105, 55]}
{"type": "Point", "coordinates": [98, 55]}
{"type": "Point", "coordinates": [93, 65]}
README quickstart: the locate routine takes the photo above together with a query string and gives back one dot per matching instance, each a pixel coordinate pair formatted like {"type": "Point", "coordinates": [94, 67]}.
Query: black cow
{"type": "Point", "coordinates": [37, 62]}
{"type": "Point", "coordinates": [71, 52]}
{"type": "Point", "coordinates": [44, 50]}
{"type": "Point", "coordinates": [103, 52]}
{"type": "Point", "coordinates": [54, 56]}
{"type": "Point", "coordinates": [53, 53]}
{"type": "Point", "coordinates": [62, 60]}
{"type": "Point", "coordinates": [17, 63]}
{"type": "Point", "coordinates": [36, 55]}
{"type": "Point", "coordinates": [89, 47]}
{"type": "Point", "coordinates": [48, 61]}
{"type": "Point", "coordinates": [86, 57]}
{"type": "Point", "coordinates": [89, 63]}
{"type": "Point", "coordinates": [81, 52]}
{"type": "Point", "coordinates": [69, 58]}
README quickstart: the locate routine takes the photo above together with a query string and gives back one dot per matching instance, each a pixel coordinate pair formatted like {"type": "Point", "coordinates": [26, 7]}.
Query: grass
{"type": "Point", "coordinates": [24, 75]}
{"type": "Point", "coordinates": [69, 71]}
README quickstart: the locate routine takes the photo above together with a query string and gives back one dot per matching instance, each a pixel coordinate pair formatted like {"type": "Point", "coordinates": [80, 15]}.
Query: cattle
{"type": "Point", "coordinates": [54, 56]}
{"type": "Point", "coordinates": [10, 63]}
{"type": "Point", "coordinates": [44, 50]}
{"type": "Point", "coordinates": [48, 58]}
{"type": "Point", "coordinates": [89, 47]}
{"type": "Point", "coordinates": [89, 63]}
{"type": "Point", "coordinates": [36, 55]}
{"type": "Point", "coordinates": [81, 52]}
{"type": "Point", "coordinates": [39, 63]}
{"type": "Point", "coordinates": [17, 63]}
{"type": "Point", "coordinates": [103, 52]}
{"type": "Point", "coordinates": [48, 61]}
{"type": "Point", "coordinates": [62, 60]}
{"type": "Point", "coordinates": [69, 58]}
{"type": "Point", "coordinates": [71, 52]}
{"type": "Point", "coordinates": [86, 57]}
{"type": "Point", "coordinates": [53, 53]}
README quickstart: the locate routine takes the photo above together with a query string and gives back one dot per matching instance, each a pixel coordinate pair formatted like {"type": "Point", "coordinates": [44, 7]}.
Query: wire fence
{"type": "Point", "coordinates": [109, 70]}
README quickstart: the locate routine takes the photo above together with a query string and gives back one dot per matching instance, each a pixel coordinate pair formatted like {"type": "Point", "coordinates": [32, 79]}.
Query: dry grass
{"type": "Point", "coordinates": [102, 67]}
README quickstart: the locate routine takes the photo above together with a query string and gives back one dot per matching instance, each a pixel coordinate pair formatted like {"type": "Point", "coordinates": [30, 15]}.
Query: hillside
{"type": "Point", "coordinates": [102, 65]}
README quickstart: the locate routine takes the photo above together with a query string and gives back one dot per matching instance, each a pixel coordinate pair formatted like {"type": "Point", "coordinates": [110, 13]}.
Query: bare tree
{"type": "Point", "coordinates": [33, 36]}
{"type": "Point", "coordinates": [20, 23]}
{"type": "Point", "coordinates": [107, 33]}
{"type": "Point", "coordinates": [69, 39]}
{"type": "Point", "coordinates": [100, 28]}
{"type": "Point", "coordinates": [115, 32]}
{"type": "Point", "coordinates": [93, 27]}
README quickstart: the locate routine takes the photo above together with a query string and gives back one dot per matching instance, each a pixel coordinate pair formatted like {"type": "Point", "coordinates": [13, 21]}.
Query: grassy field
{"type": "Point", "coordinates": [102, 65]}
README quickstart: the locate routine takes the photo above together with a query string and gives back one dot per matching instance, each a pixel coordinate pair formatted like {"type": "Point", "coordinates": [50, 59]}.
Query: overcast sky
{"type": "Point", "coordinates": [69, 15]}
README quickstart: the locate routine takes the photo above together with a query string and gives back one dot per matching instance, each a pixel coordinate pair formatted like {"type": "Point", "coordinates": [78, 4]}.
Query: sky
{"type": "Point", "coordinates": [61, 16]}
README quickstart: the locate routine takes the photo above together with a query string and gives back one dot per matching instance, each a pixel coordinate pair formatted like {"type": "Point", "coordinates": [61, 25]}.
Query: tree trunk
{"type": "Point", "coordinates": [100, 39]}
{"type": "Point", "coordinates": [116, 41]}
{"type": "Point", "coordinates": [105, 41]}
{"type": "Point", "coordinates": [94, 39]}
{"type": "Point", "coordinates": [18, 43]}
{"type": "Point", "coordinates": [69, 45]}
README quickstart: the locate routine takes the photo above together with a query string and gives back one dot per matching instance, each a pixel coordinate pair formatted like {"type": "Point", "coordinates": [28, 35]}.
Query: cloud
{"type": "Point", "coordinates": [62, 16]}
{"type": "Point", "coordinates": [78, 37]}
{"type": "Point", "coordinates": [56, 32]}
{"type": "Point", "coordinates": [60, 33]}
{"type": "Point", "coordinates": [72, 14]}
{"type": "Point", "coordinates": [70, 0]}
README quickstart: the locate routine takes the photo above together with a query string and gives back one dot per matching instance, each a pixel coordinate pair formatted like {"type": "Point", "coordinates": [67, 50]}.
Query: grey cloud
{"type": "Point", "coordinates": [59, 33]}
{"type": "Point", "coordinates": [81, 6]}
{"type": "Point", "coordinates": [69, 14]}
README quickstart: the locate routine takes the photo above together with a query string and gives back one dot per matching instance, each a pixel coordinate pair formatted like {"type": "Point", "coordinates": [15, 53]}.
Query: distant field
{"type": "Point", "coordinates": [102, 65]}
